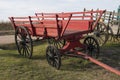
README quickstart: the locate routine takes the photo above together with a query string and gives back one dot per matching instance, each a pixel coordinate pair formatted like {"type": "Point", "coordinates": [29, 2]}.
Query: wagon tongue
{"type": "Point", "coordinates": [99, 63]}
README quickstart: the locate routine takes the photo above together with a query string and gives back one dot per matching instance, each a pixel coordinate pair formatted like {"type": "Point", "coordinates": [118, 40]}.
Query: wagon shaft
{"type": "Point", "coordinates": [99, 63]}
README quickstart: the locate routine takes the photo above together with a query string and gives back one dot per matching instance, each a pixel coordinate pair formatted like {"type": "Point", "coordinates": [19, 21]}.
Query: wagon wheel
{"type": "Point", "coordinates": [92, 47]}
{"type": "Point", "coordinates": [53, 56]}
{"type": "Point", "coordinates": [58, 43]}
{"type": "Point", "coordinates": [23, 42]}
{"type": "Point", "coordinates": [101, 33]}
{"type": "Point", "coordinates": [112, 36]}
{"type": "Point", "coordinates": [110, 33]}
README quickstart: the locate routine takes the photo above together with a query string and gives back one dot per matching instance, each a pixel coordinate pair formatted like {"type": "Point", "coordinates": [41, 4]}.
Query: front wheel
{"type": "Point", "coordinates": [53, 56]}
{"type": "Point", "coordinates": [92, 47]}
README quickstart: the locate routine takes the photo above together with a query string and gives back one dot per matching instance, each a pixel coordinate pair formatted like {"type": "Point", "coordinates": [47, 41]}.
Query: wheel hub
{"type": "Point", "coordinates": [97, 33]}
{"type": "Point", "coordinates": [90, 47]}
{"type": "Point", "coordinates": [22, 43]}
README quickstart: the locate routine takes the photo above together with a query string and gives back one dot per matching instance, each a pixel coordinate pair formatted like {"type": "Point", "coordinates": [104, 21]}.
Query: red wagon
{"type": "Point", "coordinates": [56, 27]}
{"type": "Point", "coordinates": [63, 31]}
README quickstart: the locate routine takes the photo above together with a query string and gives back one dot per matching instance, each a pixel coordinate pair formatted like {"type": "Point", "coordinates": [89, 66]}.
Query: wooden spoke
{"type": "Point", "coordinates": [57, 43]}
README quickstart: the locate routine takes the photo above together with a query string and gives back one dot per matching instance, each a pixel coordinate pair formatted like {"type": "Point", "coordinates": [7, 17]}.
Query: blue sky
{"type": "Point", "coordinates": [29, 7]}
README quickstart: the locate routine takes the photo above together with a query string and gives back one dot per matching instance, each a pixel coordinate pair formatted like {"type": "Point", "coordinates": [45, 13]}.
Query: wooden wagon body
{"type": "Point", "coordinates": [57, 24]}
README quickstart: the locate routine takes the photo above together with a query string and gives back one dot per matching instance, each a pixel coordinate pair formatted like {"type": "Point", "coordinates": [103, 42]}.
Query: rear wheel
{"type": "Point", "coordinates": [57, 43]}
{"type": "Point", "coordinates": [101, 33]}
{"type": "Point", "coordinates": [53, 56]}
{"type": "Point", "coordinates": [92, 47]}
{"type": "Point", "coordinates": [110, 32]}
{"type": "Point", "coordinates": [23, 42]}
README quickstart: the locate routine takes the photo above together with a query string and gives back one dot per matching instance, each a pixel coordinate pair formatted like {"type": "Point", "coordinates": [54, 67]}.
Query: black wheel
{"type": "Point", "coordinates": [23, 42]}
{"type": "Point", "coordinates": [53, 56]}
{"type": "Point", "coordinates": [101, 33]}
{"type": "Point", "coordinates": [57, 43]}
{"type": "Point", "coordinates": [92, 47]}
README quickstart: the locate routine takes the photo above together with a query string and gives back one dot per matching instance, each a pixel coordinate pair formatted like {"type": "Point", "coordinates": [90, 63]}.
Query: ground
{"type": "Point", "coordinates": [7, 39]}
{"type": "Point", "coordinates": [16, 67]}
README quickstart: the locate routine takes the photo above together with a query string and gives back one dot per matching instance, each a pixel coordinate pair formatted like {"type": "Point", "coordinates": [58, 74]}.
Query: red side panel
{"type": "Point", "coordinates": [51, 27]}
{"type": "Point", "coordinates": [39, 31]}
{"type": "Point", "coordinates": [77, 24]}
{"type": "Point", "coordinates": [52, 32]}
{"type": "Point", "coordinates": [38, 28]}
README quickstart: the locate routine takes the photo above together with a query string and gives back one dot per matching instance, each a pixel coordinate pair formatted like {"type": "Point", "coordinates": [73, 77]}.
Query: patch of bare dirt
{"type": "Point", "coordinates": [7, 39]}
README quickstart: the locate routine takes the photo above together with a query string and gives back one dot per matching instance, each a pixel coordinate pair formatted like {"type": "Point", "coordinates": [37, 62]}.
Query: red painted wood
{"type": "Point", "coordinates": [70, 45]}
{"type": "Point", "coordinates": [99, 63]}
{"type": "Point", "coordinates": [78, 24]}
{"type": "Point", "coordinates": [57, 23]}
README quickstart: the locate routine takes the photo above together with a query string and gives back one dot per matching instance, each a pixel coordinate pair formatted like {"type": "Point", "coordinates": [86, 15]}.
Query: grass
{"type": "Point", "coordinates": [16, 67]}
